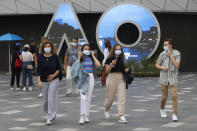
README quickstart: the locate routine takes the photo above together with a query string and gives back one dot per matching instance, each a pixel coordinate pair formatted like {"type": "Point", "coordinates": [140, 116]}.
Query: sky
{"type": "Point", "coordinates": [66, 14]}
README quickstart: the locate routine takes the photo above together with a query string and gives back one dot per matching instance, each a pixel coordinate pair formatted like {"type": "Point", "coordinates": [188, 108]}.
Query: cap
{"type": "Point", "coordinates": [26, 46]}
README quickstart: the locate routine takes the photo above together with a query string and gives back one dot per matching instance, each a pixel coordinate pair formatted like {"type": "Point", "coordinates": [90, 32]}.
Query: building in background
{"type": "Point", "coordinates": [30, 18]}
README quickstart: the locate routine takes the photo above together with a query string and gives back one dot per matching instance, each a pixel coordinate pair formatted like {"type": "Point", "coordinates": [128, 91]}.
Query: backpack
{"type": "Point", "coordinates": [18, 62]}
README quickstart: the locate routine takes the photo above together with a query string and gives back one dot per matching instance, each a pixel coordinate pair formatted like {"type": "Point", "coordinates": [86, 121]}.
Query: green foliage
{"type": "Point", "coordinates": [143, 68]}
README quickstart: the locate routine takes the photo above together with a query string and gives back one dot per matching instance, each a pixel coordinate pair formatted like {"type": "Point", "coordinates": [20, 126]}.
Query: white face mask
{"type": "Point", "coordinates": [47, 50]}
{"type": "Point", "coordinates": [165, 48]}
{"type": "Point", "coordinates": [86, 52]}
{"type": "Point", "coordinates": [118, 52]}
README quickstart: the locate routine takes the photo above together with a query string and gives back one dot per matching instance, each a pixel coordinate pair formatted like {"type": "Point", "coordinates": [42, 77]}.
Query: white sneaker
{"type": "Point", "coordinates": [40, 95]}
{"type": "Point", "coordinates": [163, 113]}
{"type": "Point", "coordinates": [30, 89]}
{"type": "Point", "coordinates": [106, 113]}
{"type": "Point", "coordinates": [49, 122]}
{"type": "Point", "coordinates": [24, 88]}
{"type": "Point", "coordinates": [17, 88]}
{"type": "Point", "coordinates": [86, 119]}
{"type": "Point", "coordinates": [11, 88]}
{"type": "Point", "coordinates": [81, 120]}
{"type": "Point", "coordinates": [174, 118]}
{"type": "Point", "coordinates": [123, 120]}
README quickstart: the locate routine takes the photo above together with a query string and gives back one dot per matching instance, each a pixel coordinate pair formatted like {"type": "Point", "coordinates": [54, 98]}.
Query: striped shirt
{"type": "Point", "coordinates": [168, 77]}
{"type": "Point", "coordinates": [87, 64]}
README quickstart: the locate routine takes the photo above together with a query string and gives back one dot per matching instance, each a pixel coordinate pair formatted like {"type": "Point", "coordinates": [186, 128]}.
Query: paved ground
{"type": "Point", "coordinates": [23, 110]}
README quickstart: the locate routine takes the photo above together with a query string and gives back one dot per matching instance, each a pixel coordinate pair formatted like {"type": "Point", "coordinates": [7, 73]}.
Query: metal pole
{"type": "Point", "coordinates": [9, 60]}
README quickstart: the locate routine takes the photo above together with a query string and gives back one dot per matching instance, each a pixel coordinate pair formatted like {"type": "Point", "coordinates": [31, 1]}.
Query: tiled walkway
{"type": "Point", "coordinates": [23, 110]}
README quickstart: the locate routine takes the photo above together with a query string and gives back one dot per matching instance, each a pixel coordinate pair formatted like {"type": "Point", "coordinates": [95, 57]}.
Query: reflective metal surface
{"type": "Point", "coordinates": [142, 18]}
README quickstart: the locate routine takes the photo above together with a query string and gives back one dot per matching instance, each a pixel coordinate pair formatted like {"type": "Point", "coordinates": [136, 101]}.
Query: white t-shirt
{"type": "Point", "coordinates": [27, 56]}
{"type": "Point", "coordinates": [106, 53]}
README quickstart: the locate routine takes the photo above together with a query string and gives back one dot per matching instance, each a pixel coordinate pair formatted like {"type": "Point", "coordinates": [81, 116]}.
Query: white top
{"type": "Point", "coordinates": [106, 53]}
{"type": "Point", "coordinates": [27, 56]}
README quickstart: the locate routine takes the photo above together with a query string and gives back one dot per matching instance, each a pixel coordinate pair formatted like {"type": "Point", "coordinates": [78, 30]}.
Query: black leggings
{"type": "Point", "coordinates": [15, 72]}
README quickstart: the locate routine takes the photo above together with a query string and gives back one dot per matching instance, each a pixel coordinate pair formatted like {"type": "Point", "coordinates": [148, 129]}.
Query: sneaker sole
{"type": "Point", "coordinates": [49, 124]}
{"type": "Point", "coordinates": [175, 120]}
{"type": "Point", "coordinates": [107, 118]}
{"type": "Point", "coordinates": [68, 95]}
{"type": "Point", "coordinates": [81, 123]}
{"type": "Point", "coordinates": [123, 122]}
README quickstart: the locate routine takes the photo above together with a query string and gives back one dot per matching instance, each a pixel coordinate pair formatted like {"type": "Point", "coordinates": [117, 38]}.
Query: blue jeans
{"type": "Point", "coordinates": [26, 72]}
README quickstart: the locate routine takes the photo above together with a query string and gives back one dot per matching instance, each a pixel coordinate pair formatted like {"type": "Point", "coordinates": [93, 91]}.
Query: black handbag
{"type": "Point", "coordinates": [128, 77]}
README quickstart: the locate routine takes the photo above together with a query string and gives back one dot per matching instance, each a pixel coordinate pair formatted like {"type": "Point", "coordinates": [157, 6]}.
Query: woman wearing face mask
{"type": "Point", "coordinates": [87, 60]}
{"type": "Point", "coordinates": [115, 83]}
{"type": "Point", "coordinates": [49, 74]}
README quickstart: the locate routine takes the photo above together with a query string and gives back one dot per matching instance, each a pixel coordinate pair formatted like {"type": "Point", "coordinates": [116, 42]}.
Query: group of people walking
{"type": "Point", "coordinates": [79, 63]}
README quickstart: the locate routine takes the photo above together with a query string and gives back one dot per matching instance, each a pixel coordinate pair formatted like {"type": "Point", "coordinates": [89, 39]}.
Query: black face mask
{"type": "Point", "coordinates": [25, 49]}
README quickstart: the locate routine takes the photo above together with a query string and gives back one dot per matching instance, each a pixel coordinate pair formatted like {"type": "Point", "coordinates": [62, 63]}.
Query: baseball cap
{"type": "Point", "coordinates": [27, 46]}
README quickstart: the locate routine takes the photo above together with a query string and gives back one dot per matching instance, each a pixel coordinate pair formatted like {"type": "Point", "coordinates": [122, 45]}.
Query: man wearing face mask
{"type": "Point", "coordinates": [69, 59]}
{"type": "Point", "coordinates": [168, 63]}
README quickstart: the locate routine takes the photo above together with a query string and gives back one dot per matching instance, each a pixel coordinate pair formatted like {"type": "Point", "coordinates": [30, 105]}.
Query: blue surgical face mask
{"type": "Point", "coordinates": [86, 52]}
{"type": "Point", "coordinates": [118, 52]}
{"type": "Point", "coordinates": [74, 44]}
{"type": "Point", "coordinates": [165, 48]}
{"type": "Point", "coordinates": [47, 50]}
